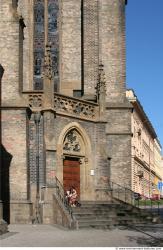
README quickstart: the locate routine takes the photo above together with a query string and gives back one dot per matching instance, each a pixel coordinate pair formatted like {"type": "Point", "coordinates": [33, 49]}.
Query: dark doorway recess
{"type": "Point", "coordinates": [5, 161]}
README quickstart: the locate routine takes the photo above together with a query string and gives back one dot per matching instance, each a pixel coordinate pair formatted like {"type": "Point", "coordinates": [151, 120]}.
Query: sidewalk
{"type": "Point", "coordinates": [51, 236]}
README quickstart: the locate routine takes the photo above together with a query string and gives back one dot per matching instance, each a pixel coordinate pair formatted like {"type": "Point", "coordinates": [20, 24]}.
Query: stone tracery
{"type": "Point", "coordinates": [72, 142]}
{"type": "Point", "coordinates": [72, 107]}
{"type": "Point", "coordinates": [39, 42]}
{"type": "Point", "coordinates": [40, 31]}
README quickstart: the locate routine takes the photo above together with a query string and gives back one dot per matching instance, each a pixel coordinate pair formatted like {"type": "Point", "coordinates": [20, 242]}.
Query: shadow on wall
{"type": "Point", "coordinates": [5, 161]}
{"type": "Point", "coordinates": [5, 158]}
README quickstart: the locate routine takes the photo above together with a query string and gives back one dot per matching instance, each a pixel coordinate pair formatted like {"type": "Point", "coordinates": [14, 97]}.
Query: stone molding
{"type": "Point", "coordinates": [35, 101]}
{"type": "Point", "coordinates": [125, 105]}
{"type": "Point", "coordinates": [64, 105]}
{"type": "Point", "coordinates": [75, 107]}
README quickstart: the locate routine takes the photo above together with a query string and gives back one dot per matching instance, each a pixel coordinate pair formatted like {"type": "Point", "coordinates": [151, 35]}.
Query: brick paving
{"type": "Point", "coordinates": [51, 236]}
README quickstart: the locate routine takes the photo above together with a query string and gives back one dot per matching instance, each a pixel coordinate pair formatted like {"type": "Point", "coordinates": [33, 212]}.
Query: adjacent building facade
{"type": "Point", "coordinates": [146, 152]}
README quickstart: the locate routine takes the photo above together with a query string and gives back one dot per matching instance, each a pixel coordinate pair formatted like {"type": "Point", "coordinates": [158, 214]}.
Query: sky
{"type": "Point", "coordinates": [144, 55]}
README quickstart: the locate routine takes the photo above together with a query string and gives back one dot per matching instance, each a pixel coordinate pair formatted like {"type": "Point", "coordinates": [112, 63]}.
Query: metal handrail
{"type": "Point", "coordinates": [122, 193]}
{"type": "Point", "coordinates": [129, 196]}
{"type": "Point", "coordinates": [62, 196]}
{"type": "Point", "coordinates": [151, 205]}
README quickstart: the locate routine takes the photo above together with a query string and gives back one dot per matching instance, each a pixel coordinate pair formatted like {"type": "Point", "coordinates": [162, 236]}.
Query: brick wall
{"type": "Point", "coordinates": [15, 152]}
{"type": "Point", "coordinates": [118, 131]}
{"type": "Point", "coordinates": [9, 47]}
{"type": "Point", "coordinates": [25, 9]}
{"type": "Point", "coordinates": [119, 148]}
{"type": "Point", "coordinates": [70, 46]}
{"type": "Point", "coordinates": [90, 46]}
{"type": "Point", "coordinates": [96, 134]}
{"type": "Point", "coordinates": [112, 47]}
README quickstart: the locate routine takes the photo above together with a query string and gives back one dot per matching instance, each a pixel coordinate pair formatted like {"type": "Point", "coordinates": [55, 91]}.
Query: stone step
{"type": "Point", "coordinates": [105, 215]}
{"type": "Point", "coordinates": [85, 217]}
{"type": "Point", "coordinates": [106, 220]}
{"type": "Point", "coordinates": [82, 214]}
{"type": "Point", "coordinates": [108, 212]}
{"type": "Point", "coordinates": [94, 208]}
{"type": "Point", "coordinates": [98, 202]}
{"type": "Point", "coordinates": [96, 224]}
{"type": "Point", "coordinates": [135, 212]}
{"type": "Point", "coordinates": [108, 208]}
{"type": "Point", "coordinates": [150, 226]}
{"type": "Point", "coordinates": [96, 217]}
{"type": "Point", "coordinates": [95, 211]}
{"type": "Point", "coordinates": [105, 223]}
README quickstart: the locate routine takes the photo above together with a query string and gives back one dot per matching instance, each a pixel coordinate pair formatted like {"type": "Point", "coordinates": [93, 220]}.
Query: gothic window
{"type": "Point", "coordinates": [38, 42]}
{"type": "Point", "coordinates": [52, 16]}
{"type": "Point", "coordinates": [39, 17]}
{"type": "Point", "coordinates": [39, 39]}
{"type": "Point", "coordinates": [53, 33]}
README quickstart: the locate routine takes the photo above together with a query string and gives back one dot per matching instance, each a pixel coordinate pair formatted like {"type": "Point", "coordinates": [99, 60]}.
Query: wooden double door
{"type": "Point", "coordinates": [71, 174]}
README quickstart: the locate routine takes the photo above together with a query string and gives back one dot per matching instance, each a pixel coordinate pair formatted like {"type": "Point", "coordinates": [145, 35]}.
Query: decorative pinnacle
{"type": "Point", "coordinates": [102, 79]}
{"type": "Point", "coordinates": [47, 68]}
{"type": "Point", "coordinates": [101, 84]}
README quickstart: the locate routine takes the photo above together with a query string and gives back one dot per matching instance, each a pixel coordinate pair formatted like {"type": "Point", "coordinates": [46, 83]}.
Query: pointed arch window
{"type": "Point", "coordinates": [46, 16]}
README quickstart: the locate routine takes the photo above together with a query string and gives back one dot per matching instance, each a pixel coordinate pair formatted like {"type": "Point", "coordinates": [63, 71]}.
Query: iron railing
{"type": "Point", "coordinates": [129, 196]}
{"type": "Point", "coordinates": [155, 206]}
{"type": "Point", "coordinates": [62, 196]}
{"type": "Point", "coordinates": [121, 193]}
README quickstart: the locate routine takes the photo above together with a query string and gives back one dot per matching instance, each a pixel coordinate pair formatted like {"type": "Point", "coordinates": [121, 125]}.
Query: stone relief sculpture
{"type": "Point", "coordinates": [72, 142]}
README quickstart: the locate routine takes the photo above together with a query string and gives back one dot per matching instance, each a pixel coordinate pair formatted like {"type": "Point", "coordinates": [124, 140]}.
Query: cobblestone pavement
{"type": "Point", "coordinates": [51, 236]}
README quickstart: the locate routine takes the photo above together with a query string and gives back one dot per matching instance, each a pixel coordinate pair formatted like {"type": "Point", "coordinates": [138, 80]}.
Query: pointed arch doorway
{"type": "Point", "coordinates": [73, 151]}
{"type": "Point", "coordinates": [71, 174]}
{"type": "Point", "coordinates": [75, 160]}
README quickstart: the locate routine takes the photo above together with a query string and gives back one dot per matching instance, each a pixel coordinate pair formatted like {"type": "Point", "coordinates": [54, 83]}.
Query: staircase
{"type": "Point", "coordinates": [104, 215]}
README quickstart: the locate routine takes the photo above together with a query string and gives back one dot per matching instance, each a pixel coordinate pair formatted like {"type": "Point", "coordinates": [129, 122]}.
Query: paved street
{"type": "Point", "coordinates": [51, 236]}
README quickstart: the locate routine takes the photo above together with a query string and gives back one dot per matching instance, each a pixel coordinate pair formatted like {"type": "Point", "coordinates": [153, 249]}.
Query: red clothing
{"type": "Point", "coordinates": [72, 195]}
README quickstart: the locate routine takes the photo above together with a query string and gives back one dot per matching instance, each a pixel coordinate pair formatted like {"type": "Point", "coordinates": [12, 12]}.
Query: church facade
{"type": "Point", "coordinates": [64, 112]}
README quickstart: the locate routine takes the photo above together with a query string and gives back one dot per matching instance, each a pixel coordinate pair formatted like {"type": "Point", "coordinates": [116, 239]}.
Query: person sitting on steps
{"type": "Point", "coordinates": [71, 196]}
